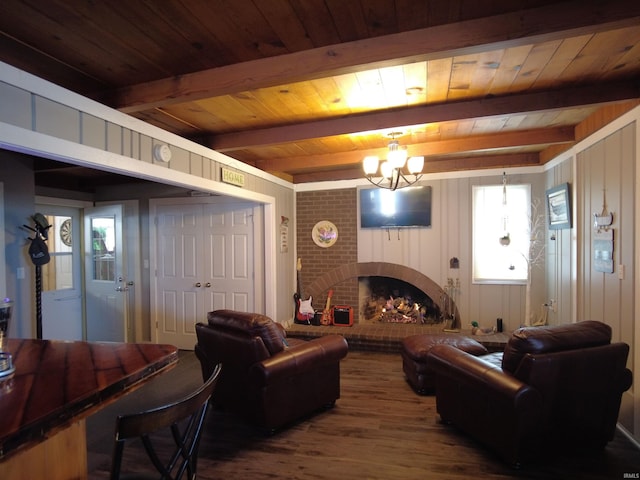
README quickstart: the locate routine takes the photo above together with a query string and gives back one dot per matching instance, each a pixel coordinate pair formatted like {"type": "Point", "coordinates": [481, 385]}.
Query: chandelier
{"type": "Point", "coordinates": [393, 174]}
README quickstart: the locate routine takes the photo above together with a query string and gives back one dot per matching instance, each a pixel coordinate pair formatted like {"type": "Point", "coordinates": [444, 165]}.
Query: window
{"type": "Point", "coordinates": [58, 273]}
{"type": "Point", "coordinates": [494, 262]}
{"type": "Point", "coordinates": [103, 248]}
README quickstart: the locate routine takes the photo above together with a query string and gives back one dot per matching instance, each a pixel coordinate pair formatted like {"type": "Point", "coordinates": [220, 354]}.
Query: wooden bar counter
{"type": "Point", "coordinates": [55, 386]}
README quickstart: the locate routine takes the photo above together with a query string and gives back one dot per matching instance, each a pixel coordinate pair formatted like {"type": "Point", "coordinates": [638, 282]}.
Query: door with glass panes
{"type": "Point", "coordinates": [61, 278]}
{"type": "Point", "coordinates": [105, 276]}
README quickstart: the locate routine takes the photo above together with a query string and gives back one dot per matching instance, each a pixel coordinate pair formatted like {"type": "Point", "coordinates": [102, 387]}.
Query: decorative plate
{"type": "Point", "coordinates": [324, 234]}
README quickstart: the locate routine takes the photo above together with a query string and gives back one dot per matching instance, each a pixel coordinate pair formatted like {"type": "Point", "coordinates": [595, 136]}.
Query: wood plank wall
{"type": "Point", "coordinates": [606, 176]}
{"type": "Point", "coordinates": [427, 250]}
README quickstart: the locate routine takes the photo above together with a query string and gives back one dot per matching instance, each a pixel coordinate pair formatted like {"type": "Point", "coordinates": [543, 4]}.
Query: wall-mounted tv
{"type": "Point", "coordinates": [407, 207]}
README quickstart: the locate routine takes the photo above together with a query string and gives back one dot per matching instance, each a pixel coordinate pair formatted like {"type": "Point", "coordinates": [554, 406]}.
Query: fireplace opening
{"type": "Point", "coordinates": [391, 300]}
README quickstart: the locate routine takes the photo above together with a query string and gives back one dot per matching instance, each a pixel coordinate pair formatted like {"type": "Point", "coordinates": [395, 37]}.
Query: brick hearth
{"type": "Point", "coordinates": [386, 337]}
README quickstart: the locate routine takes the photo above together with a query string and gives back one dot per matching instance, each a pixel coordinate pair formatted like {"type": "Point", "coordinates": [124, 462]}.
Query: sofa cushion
{"type": "Point", "coordinates": [254, 324]}
{"type": "Point", "coordinates": [417, 347]}
{"type": "Point", "coordinates": [415, 350]}
{"type": "Point", "coordinates": [588, 333]}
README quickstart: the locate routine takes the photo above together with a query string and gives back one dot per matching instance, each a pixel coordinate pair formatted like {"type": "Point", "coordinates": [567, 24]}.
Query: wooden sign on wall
{"type": "Point", "coordinates": [603, 251]}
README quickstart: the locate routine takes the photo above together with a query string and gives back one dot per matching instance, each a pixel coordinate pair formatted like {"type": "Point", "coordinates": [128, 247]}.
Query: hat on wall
{"type": "Point", "coordinates": [38, 251]}
{"type": "Point", "coordinates": [41, 223]}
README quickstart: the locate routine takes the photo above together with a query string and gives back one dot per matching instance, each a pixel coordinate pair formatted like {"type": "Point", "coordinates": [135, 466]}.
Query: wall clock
{"type": "Point", "coordinates": [65, 232]}
{"type": "Point", "coordinates": [324, 234]}
{"type": "Point", "coordinates": [162, 153]}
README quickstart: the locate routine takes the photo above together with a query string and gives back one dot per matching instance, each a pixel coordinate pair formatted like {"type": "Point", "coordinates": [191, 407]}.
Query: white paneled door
{"type": "Point", "coordinates": [204, 261]}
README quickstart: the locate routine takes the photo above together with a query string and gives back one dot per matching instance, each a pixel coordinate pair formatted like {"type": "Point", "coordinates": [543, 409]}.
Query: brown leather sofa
{"type": "Point", "coordinates": [554, 388]}
{"type": "Point", "coordinates": [268, 379]}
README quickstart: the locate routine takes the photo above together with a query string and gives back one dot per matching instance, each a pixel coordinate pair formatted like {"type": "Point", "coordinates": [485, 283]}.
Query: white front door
{"type": "Point", "coordinates": [61, 277]}
{"type": "Point", "coordinates": [203, 261]}
{"type": "Point", "coordinates": [105, 278]}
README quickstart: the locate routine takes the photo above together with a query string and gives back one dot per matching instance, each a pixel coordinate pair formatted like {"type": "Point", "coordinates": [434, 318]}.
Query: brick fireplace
{"type": "Point", "coordinates": [390, 300]}
{"type": "Point", "coordinates": [337, 267]}
{"type": "Point", "coordinates": [440, 302]}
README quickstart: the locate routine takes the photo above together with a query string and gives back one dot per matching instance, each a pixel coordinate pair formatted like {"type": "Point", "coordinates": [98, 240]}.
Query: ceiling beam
{"type": "Point", "coordinates": [549, 22]}
{"type": "Point", "coordinates": [433, 165]}
{"type": "Point", "coordinates": [481, 108]}
{"type": "Point", "coordinates": [477, 143]}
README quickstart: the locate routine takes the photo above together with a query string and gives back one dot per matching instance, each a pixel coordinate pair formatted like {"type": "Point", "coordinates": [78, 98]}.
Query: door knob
{"type": "Point", "coordinates": [208, 284]}
{"type": "Point", "coordinates": [120, 288]}
{"type": "Point", "coordinates": [198, 284]}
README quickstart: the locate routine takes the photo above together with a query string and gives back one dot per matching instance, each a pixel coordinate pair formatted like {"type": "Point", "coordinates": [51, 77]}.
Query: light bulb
{"type": "Point", "coordinates": [415, 165]}
{"type": "Point", "coordinates": [370, 165]}
{"type": "Point", "coordinates": [386, 169]}
{"type": "Point", "coordinates": [397, 157]}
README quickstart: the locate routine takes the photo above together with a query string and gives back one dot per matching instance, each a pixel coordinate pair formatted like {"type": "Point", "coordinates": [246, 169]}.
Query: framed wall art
{"type": "Point", "coordinates": [559, 207]}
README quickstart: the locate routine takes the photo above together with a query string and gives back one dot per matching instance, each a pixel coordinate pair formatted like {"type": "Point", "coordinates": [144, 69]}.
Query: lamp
{"type": "Point", "coordinates": [392, 175]}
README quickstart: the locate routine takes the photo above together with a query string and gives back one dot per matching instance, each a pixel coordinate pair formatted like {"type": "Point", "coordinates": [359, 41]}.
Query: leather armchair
{"type": "Point", "coordinates": [267, 378]}
{"type": "Point", "coordinates": [554, 388]}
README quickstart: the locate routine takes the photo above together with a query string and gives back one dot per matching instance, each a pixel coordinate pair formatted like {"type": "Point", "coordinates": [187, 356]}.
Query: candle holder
{"type": "Point", "coordinates": [6, 364]}
{"type": "Point", "coordinates": [5, 315]}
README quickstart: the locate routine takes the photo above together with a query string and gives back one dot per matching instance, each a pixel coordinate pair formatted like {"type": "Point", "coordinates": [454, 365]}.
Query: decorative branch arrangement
{"type": "Point", "coordinates": [448, 302]}
{"type": "Point", "coordinates": [535, 256]}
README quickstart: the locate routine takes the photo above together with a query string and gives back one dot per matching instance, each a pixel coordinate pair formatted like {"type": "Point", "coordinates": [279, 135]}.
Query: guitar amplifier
{"type": "Point", "coordinates": [342, 315]}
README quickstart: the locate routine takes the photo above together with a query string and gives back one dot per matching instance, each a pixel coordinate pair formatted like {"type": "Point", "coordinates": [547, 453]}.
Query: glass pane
{"type": "Point", "coordinates": [493, 261]}
{"type": "Point", "coordinates": [103, 248]}
{"type": "Point", "coordinates": [58, 273]}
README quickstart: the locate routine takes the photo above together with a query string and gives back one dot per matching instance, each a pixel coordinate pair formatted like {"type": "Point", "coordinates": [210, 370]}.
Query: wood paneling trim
{"type": "Point", "coordinates": [603, 116]}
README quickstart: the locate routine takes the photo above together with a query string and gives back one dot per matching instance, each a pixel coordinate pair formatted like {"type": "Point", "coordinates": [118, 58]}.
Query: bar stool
{"type": "Point", "coordinates": [185, 419]}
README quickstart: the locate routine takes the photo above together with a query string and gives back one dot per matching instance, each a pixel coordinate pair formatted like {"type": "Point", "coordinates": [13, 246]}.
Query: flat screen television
{"type": "Point", "coordinates": [407, 207]}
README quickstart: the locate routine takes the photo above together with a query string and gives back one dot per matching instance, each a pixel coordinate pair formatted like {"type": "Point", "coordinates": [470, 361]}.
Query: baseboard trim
{"type": "Point", "coordinates": [631, 438]}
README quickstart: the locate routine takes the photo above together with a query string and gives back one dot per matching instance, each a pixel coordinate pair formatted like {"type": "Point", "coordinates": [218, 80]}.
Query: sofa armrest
{"type": "Point", "coordinates": [300, 359]}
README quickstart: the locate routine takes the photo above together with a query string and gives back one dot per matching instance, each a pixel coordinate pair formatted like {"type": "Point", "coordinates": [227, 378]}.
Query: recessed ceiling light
{"type": "Point", "coordinates": [414, 90]}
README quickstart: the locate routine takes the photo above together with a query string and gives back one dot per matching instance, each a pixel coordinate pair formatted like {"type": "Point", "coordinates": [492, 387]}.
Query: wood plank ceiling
{"type": "Point", "coordinates": [304, 89]}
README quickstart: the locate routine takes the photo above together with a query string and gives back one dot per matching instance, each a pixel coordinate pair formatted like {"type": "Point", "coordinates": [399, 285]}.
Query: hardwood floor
{"type": "Point", "coordinates": [379, 429]}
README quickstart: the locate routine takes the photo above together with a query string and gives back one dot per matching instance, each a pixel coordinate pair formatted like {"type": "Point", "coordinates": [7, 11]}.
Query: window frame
{"type": "Point", "coordinates": [488, 224]}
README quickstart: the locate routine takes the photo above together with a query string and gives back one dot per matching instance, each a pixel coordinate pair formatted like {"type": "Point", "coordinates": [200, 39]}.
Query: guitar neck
{"type": "Point", "coordinates": [328, 301]}
{"type": "Point", "coordinates": [299, 285]}
{"type": "Point", "coordinates": [299, 278]}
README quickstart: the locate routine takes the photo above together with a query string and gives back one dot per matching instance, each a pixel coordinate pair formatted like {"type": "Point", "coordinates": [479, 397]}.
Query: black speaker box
{"type": "Point", "coordinates": [342, 315]}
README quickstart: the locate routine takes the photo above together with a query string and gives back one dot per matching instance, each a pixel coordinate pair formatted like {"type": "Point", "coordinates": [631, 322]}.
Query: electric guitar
{"type": "Point", "coordinates": [304, 310]}
{"type": "Point", "coordinates": [327, 317]}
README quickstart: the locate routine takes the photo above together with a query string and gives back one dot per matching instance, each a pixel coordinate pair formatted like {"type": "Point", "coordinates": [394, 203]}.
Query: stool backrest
{"type": "Point", "coordinates": [184, 418]}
